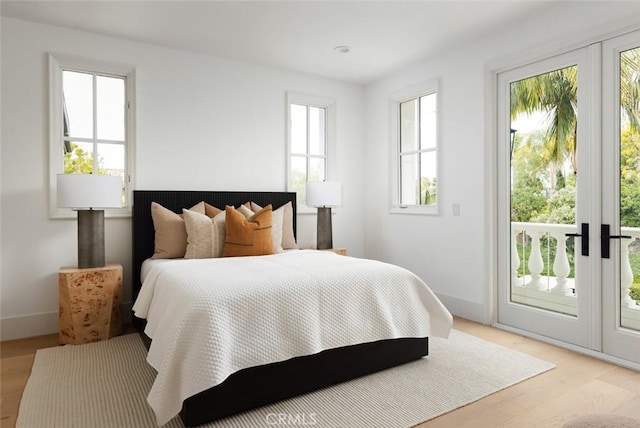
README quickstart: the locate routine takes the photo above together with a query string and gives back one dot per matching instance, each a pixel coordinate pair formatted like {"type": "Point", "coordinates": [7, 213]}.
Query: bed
{"type": "Point", "coordinates": [246, 384]}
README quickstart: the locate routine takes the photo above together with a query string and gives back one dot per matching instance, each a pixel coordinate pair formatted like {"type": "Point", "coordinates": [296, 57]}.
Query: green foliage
{"type": "Point", "coordinates": [540, 191]}
{"type": "Point", "coordinates": [630, 87]}
{"type": "Point", "coordinates": [555, 93]}
{"type": "Point", "coordinates": [634, 259]}
{"type": "Point", "coordinates": [634, 293]}
{"type": "Point", "coordinates": [298, 185]}
{"type": "Point", "coordinates": [560, 182]}
{"type": "Point", "coordinates": [630, 178]}
{"type": "Point", "coordinates": [630, 203]}
{"type": "Point", "coordinates": [629, 154]}
{"type": "Point", "coordinates": [527, 195]}
{"type": "Point", "coordinates": [528, 158]}
{"type": "Point", "coordinates": [79, 161]}
{"type": "Point", "coordinates": [527, 201]}
{"type": "Point", "coordinates": [428, 191]}
{"type": "Point", "coordinates": [298, 181]}
{"type": "Point", "coordinates": [547, 151]}
{"type": "Point", "coordinates": [560, 208]}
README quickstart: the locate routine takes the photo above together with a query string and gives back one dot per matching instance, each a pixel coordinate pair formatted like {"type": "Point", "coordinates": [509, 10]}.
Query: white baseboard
{"type": "Point", "coordinates": [41, 324]}
{"type": "Point", "coordinates": [28, 326]}
{"type": "Point", "coordinates": [464, 308]}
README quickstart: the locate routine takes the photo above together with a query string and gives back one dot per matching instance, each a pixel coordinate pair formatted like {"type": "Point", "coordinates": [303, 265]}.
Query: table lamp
{"type": "Point", "coordinates": [89, 194]}
{"type": "Point", "coordinates": [324, 195]}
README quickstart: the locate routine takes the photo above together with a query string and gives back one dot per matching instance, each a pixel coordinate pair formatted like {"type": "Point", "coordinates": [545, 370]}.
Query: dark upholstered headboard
{"type": "Point", "coordinates": [176, 200]}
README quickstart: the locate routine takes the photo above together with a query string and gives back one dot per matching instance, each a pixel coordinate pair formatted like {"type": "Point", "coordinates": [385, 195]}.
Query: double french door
{"type": "Point", "coordinates": [569, 197]}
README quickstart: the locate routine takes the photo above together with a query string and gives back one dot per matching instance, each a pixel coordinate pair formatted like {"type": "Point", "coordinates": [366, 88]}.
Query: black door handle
{"type": "Point", "coordinates": [605, 236]}
{"type": "Point", "coordinates": [585, 237]}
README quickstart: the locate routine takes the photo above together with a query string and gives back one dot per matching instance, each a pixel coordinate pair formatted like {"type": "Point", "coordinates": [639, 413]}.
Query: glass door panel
{"type": "Point", "coordinates": [629, 144]}
{"type": "Point", "coordinates": [569, 198]}
{"type": "Point", "coordinates": [621, 197]}
{"type": "Point", "coordinates": [546, 287]}
{"type": "Point", "coordinates": [543, 131]}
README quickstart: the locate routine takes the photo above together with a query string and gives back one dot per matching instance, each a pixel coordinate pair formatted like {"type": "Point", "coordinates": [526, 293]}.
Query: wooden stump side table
{"type": "Point", "coordinates": [341, 251]}
{"type": "Point", "coordinates": [90, 304]}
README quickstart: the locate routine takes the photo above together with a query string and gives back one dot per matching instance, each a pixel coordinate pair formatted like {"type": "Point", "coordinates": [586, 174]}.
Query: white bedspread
{"type": "Point", "coordinates": [209, 318]}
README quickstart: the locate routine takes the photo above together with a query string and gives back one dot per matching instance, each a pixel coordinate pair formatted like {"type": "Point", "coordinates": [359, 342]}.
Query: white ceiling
{"type": "Point", "coordinates": [296, 35]}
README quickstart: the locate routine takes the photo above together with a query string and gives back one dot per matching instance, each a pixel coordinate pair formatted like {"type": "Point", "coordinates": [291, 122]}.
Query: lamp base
{"type": "Point", "coordinates": [324, 233]}
{"type": "Point", "coordinates": [90, 238]}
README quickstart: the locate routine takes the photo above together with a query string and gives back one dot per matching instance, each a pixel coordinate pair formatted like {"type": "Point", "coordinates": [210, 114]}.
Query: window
{"type": "Point", "coordinates": [309, 142]}
{"type": "Point", "coordinates": [415, 150]}
{"type": "Point", "coordinates": [90, 121]}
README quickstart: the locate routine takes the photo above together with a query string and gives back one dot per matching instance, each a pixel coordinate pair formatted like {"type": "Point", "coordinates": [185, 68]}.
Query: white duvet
{"type": "Point", "coordinates": [209, 318]}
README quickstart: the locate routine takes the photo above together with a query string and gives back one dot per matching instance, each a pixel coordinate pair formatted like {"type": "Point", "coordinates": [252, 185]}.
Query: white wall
{"type": "Point", "coordinates": [192, 134]}
{"type": "Point", "coordinates": [202, 123]}
{"type": "Point", "coordinates": [453, 254]}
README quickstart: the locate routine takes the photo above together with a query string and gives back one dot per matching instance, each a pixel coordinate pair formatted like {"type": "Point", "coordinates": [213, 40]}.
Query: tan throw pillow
{"type": "Point", "coordinates": [219, 233]}
{"type": "Point", "coordinates": [211, 211]}
{"type": "Point", "coordinates": [288, 240]}
{"type": "Point", "coordinates": [170, 233]}
{"type": "Point", "coordinates": [220, 227]}
{"type": "Point", "coordinates": [200, 235]}
{"type": "Point", "coordinates": [248, 237]}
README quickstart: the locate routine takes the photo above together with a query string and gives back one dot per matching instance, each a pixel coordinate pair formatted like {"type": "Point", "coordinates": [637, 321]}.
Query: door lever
{"type": "Point", "coordinates": [585, 237]}
{"type": "Point", "coordinates": [605, 236]}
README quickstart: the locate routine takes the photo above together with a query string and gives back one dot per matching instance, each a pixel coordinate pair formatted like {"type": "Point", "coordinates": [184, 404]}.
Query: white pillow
{"type": "Point", "coordinates": [288, 240]}
{"type": "Point", "coordinates": [246, 211]}
{"type": "Point", "coordinates": [277, 218]}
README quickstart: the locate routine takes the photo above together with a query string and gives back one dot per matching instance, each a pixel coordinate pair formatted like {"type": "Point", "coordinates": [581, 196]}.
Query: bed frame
{"type": "Point", "coordinates": [257, 386]}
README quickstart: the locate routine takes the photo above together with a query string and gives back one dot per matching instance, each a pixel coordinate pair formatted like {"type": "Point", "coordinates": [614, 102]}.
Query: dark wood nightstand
{"type": "Point", "coordinates": [90, 304]}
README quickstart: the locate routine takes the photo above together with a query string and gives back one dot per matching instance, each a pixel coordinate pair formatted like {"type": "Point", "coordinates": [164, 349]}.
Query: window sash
{"type": "Point", "coordinates": [418, 191]}
{"type": "Point", "coordinates": [96, 121]}
{"type": "Point", "coordinates": [57, 66]}
{"type": "Point", "coordinates": [415, 157]}
{"type": "Point", "coordinates": [318, 143]}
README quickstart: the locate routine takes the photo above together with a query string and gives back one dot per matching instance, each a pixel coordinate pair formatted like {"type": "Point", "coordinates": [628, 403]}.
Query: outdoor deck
{"type": "Point", "coordinates": [548, 283]}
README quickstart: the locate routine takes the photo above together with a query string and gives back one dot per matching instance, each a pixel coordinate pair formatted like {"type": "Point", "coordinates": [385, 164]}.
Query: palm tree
{"type": "Point", "coordinates": [630, 86]}
{"type": "Point", "coordinates": [556, 94]}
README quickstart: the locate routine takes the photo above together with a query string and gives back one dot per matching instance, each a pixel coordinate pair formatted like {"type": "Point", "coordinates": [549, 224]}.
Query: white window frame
{"type": "Point", "coordinates": [329, 104]}
{"type": "Point", "coordinates": [426, 88]}
{"type": "Point", "coordinates": [57, 64]}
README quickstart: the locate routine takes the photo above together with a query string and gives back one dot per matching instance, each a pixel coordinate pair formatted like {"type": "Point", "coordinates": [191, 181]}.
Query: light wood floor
{"type": "Point", "coordinates": [578, 385]}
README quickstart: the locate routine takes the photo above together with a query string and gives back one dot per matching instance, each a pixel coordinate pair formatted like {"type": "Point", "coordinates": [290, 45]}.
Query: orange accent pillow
{"type": "Point", "coordinates": [248, 237]}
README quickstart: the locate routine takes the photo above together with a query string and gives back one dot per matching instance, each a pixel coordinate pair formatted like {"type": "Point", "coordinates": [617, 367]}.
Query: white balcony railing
{"type": "Point", "coordinates": [552, 287]}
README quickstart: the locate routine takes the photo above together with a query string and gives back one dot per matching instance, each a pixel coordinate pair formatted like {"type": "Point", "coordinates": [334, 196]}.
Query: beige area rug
{"type": "Point", "coordinates": [105, 384]}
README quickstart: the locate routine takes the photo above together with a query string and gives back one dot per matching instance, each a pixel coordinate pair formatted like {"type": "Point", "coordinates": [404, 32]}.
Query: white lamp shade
{"type": "Point", "coordinates": [324, 194]}
{"type": "Point", "coordinates": [84, 191]}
